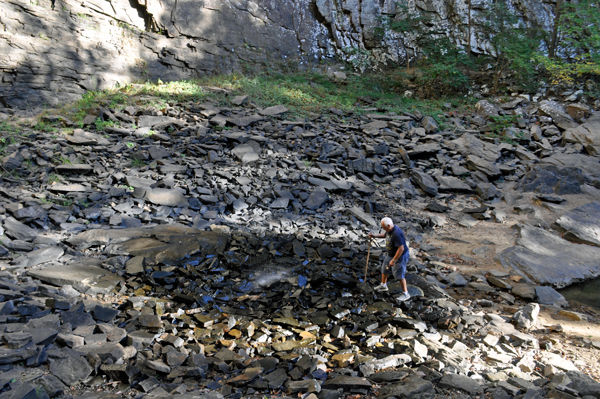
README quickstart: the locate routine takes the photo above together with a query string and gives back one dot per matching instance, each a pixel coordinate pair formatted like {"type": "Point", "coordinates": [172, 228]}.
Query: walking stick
{"type": "Point", "coordinates": [368, 253]}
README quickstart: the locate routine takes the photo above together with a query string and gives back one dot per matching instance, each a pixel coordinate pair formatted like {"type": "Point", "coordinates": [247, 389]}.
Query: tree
{"type": "Point", "coordinates": [577, 30]}
{"type": "Point", "coordinates": [574, 46]}
{"type": "Point", "coordinates": [514, 44]}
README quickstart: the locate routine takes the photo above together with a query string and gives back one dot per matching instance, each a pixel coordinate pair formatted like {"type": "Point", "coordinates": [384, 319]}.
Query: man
{"type": "Point", "coordinates": [396, 259]}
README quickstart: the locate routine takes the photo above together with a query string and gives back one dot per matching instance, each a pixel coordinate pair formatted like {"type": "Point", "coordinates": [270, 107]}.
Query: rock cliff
{"type": "Point", "coordinates": [55, 50]}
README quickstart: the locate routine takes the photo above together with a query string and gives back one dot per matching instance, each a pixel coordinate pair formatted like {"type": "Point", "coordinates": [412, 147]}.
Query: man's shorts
{"type": "Point", "coordinates": [399, 269]}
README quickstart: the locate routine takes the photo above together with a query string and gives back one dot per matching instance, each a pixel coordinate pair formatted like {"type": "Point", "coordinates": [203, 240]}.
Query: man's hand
{"type": "Point", "coordinates": [392, 262]}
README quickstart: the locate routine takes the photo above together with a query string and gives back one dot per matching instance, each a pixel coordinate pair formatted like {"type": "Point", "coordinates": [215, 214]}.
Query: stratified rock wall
{"type": "Point", "coordinates": [53, 51]}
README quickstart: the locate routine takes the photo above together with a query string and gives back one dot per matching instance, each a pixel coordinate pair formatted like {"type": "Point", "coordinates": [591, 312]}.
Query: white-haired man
{"type": "Point", "coordinates": [396, 258]}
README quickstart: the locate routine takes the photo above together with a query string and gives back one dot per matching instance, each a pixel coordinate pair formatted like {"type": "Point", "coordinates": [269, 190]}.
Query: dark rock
{"type": "Point", "coordinates": [411, 387]}
{"type": "Point", "coordinates": [549, 259]}
{"type": "Point", "coordinates": [461, 382]}
{"type": "Point", "coordinates": [70, 370]}
{"type": "Point", "coordinates": [425, 182]}
{"type": "Point", "coordinates": [550, 179]}
{"type": "Point", "coordinates": [582, 224]}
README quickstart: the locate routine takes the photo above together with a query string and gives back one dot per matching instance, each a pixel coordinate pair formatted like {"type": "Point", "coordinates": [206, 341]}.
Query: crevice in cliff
{"type": "Point", "coordinates": [143, 13]}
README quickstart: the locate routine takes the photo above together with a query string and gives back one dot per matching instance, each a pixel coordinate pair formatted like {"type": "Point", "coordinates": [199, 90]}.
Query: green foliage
{"type": "Point", "coordinates": [515, 45]}
{"type": "Point", "coordinates": [137, 163]}
{"type": "Point", "coordinates": [574, 46]}
{"type": "Point", "coordinates": [443, 66]}
{"type": "Point", "coordinates": [579, 31]}
{"type": "Point", "coordinates": [441, 63]}
{"type": "Point", "coordinates": [53, 178]}
{"type": "Point", "coordinates": [562, 71]}
{"type": "Point", "coordinates": [499, 123]}
{"type": "Point", "coordinates": [304, 94]}
{"type": "Point", "coordinates": [101, 125]}
{"type": "Point", "coordinates": [45, 127]}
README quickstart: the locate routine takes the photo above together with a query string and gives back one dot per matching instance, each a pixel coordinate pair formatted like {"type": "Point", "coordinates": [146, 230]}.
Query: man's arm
{"type": "Point", "coordinates": [397, 255]}
{"type": "Point", "coordinates": [382, 235]}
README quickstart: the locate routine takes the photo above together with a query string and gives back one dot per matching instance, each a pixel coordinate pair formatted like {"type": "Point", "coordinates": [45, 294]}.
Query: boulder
{"type": "Point", "coordinates": [581, 225]}
{"type": "Point", "coordinates": [559, 116]}
{"type": "Point", "coordinates": [548, 259]}
{"type": "Point", "coordinates": [527, 316]}
{"type": "Point", "coordinates": [586, 134]}
{"type": "Point", "coordinates": [550, 179]}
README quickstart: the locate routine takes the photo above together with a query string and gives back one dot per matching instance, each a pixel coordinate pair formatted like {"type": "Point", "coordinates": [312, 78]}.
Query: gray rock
{"type": "Point", "coordinates": [557, 113]}
{"type": "Point", "coordinates": [166, 197]}
{"type": "Point", "coordinates": [347, 383]}
{"type": "Point", "coordinates": [583, 384]}
{"type": "Point", "coordinates": [526, 317]}
{"type": "Point", "coordinates": [479, 164]}
{"type": "Point", "coordinates": [18, 230]}
{"type": "Point", "coordinates": [71, 369]}
{"type": "Point", "coordinates": [486, 191]}
{"type": "Point", "coordinates": [550, 260]}
{"type": "Point", "coordinates": [549, 296]}
{"type": "Point", "coordinates": [550, 179]}
{"type": "Point", "coordinates": [586, 134]}
{"type": "Point", "coordinates": [461, 382]}
{"type": "Point", "coordinates": [316, 199]}
{"type": "Point", "coordinates": [362, 216]}
{"type": "Point", "coordinates": [412, 387]}
{"type": "Point", "coordinates": [486, 109]}
{"type": "Point", "coordinates": [450, 183]}
{"type": "Point", "coordinates": [246, 153]}
{"type": "Point", "coordinates": [582, 224]}
{"type": "Point", "coordinates": [82, 277]}
{"type": "Point", "coordinates": [468, 144]}
{"type": "Point", "coordinates": [43, 255]}
{"type": "Point", "coordinates": [274, 111]}
{"type": "Point", "coordinates": [425, 182]}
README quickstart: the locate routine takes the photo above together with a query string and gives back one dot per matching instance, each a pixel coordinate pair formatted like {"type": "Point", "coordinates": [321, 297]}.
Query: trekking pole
{"type": "Point", "coordinates": [368, 253]}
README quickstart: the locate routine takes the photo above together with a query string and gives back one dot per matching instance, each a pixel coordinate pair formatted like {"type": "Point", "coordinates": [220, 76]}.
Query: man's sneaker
{"type": "Point", "coordinates": [381, 288]}
{"type": "Point", "coordinates": [404, 297]}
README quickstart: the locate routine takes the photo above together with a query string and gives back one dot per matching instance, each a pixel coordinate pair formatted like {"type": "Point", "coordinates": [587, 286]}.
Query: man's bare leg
{"type": "Point", "coordinates": [403, 285]}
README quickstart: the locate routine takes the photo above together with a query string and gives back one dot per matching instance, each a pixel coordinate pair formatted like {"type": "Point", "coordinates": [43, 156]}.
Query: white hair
{"type": "Point", "coordinates": [387, 222]}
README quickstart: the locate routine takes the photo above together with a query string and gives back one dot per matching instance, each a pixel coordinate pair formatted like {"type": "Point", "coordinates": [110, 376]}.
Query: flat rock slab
{"type": "Point", "coordinates": [412, 387]}
{"type": "Point", "coordinates": [74, 168]}
{"type": "Point", "coordinates": [163, 243]}
{"type": "Point", "coordinates": [548, 259]}
{"type": "Point", "coordinates": [82, 277]}
{"type": "Point", "coordinates": [166, 197]}
{"type": "Point", "coordinates": [68, 188]}
{"type": "Point", "coordinates": [362, 216]}
{"type": "Point", "coordinates": [274, 111]}
{"type": "Point", "coordinates": [347, 383]}
{"type": "Point", "coordinates": [462, 382]}
{"type": "Point", "coordinates": [582, 224]}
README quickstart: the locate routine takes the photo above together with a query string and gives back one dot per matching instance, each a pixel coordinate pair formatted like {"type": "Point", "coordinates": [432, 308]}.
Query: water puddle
{"type": "Point", "coordinates": [587, 293]}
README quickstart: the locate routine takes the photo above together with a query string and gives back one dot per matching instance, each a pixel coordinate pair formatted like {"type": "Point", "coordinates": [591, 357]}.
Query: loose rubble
{"type": "Point", "coordinates": [211, 252]}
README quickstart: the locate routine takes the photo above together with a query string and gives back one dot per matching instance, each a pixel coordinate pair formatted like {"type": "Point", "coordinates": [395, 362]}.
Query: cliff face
{"type": "Point", "coordinates": [52, 51]}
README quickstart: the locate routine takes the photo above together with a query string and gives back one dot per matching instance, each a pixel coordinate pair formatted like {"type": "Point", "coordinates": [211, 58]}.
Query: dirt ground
{"type": "Point", "coordinates": [578, 341]}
